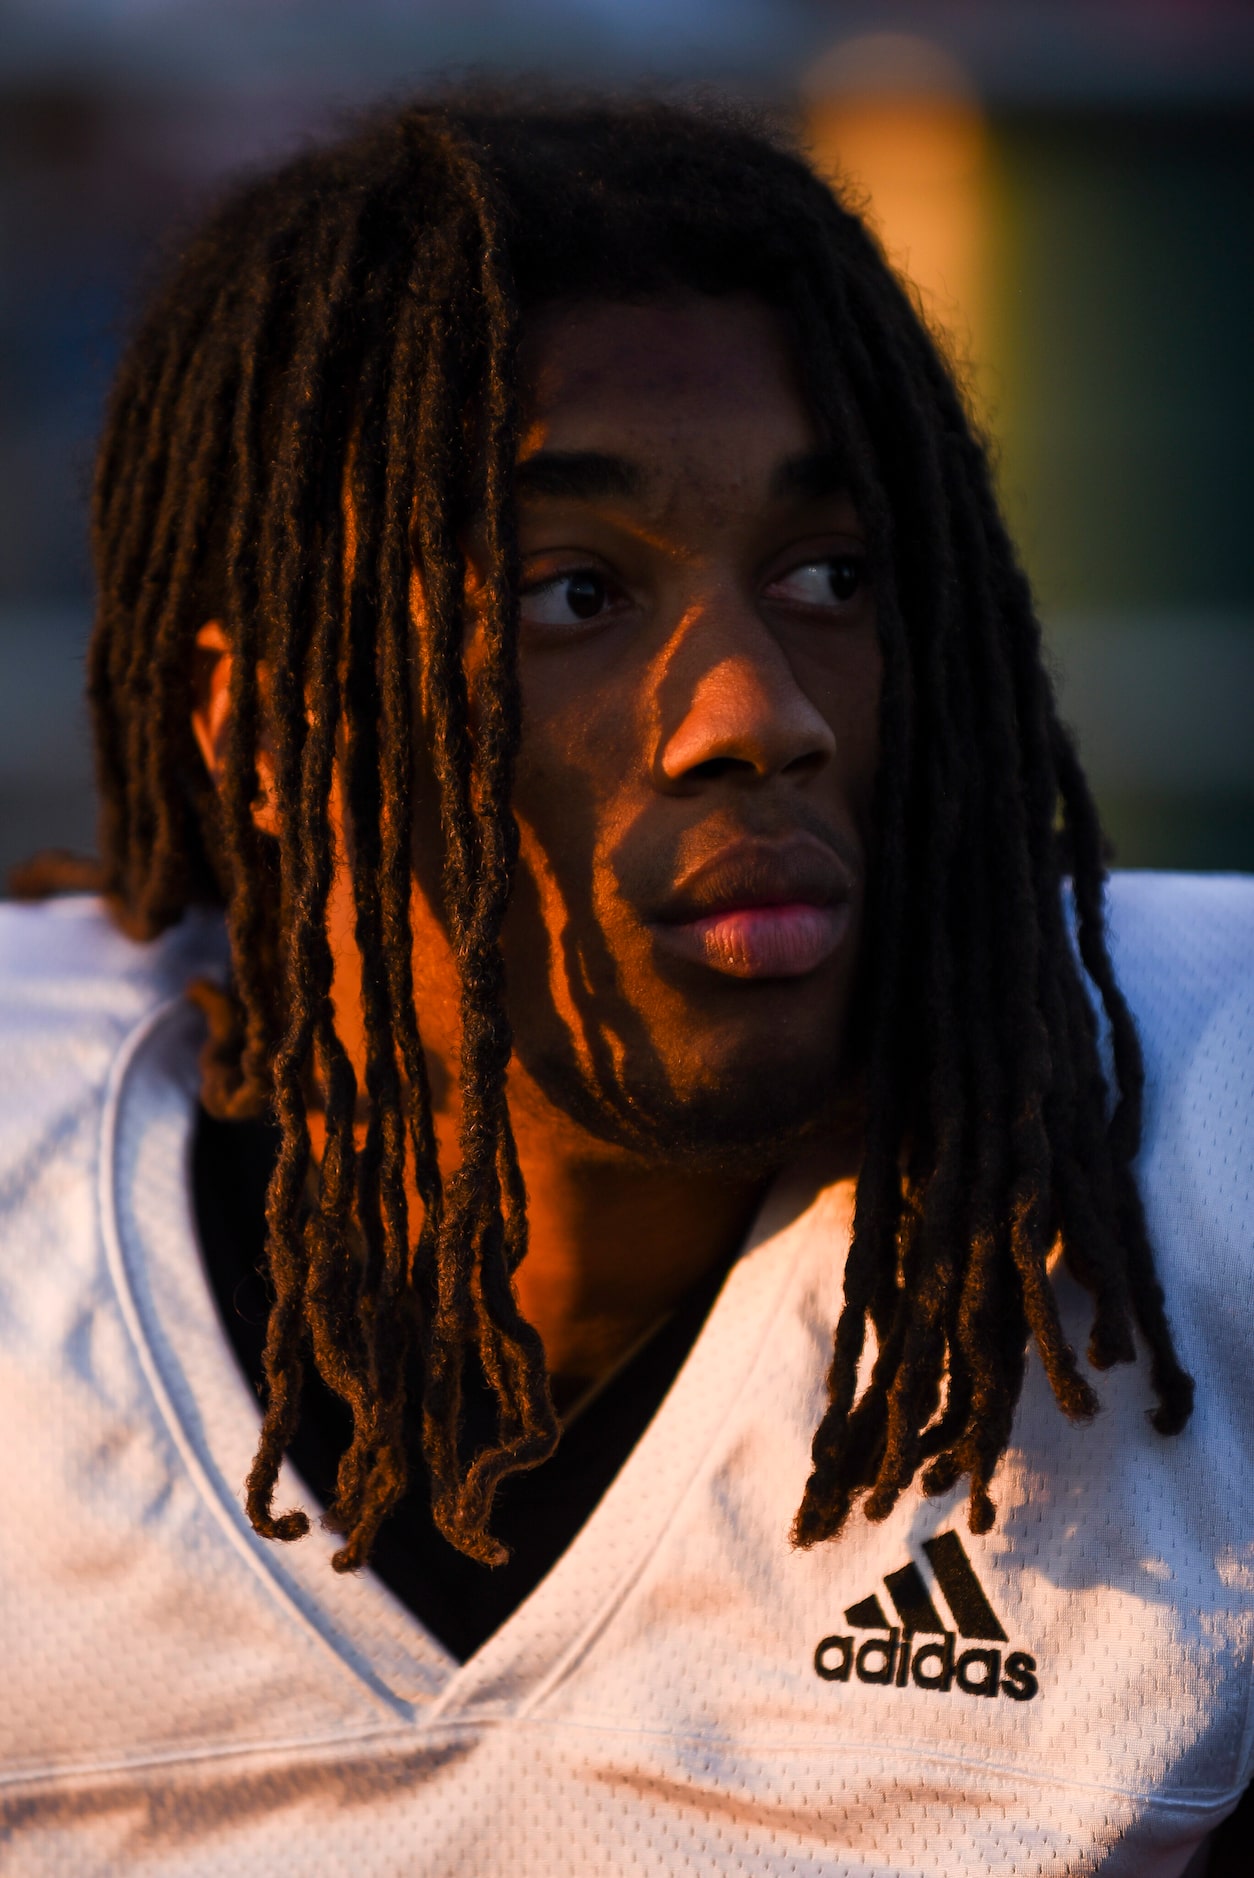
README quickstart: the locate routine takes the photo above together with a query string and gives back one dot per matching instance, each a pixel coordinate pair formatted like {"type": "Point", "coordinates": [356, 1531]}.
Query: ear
{"type": "Point", "coordinates": [211, 719]}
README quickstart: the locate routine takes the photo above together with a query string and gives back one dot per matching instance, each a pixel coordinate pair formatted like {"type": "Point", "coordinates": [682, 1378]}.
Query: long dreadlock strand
{"type": "Point", "coordinates": [1172, 1384]}
{"type": "Point", "coordinates": [374, 1469]}
{"type": "Point", "coordinates": [512, 1353]}
{"type": "Point", "coordinates": [250, 860]}
{"type": "Point", "coordinates": [397, 680]}
{"type": "Point", "coordinates": [452, 1307]}
{"type": "Point", "coordinates": [312, 1256]}
{"type": "Point", "coordinates": [926, 1282]}
{"type": "Point", "coordinates": [841, 1460]}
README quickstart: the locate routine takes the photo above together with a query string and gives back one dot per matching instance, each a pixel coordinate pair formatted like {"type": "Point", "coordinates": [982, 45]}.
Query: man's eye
{"type": "Point", "coordinates": [821, 583]}
{"type": "Point", "coordinates": [567, 599]}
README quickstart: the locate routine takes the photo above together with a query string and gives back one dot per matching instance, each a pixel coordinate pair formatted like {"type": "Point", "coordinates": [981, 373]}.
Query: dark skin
{"type": "Point", "coordinates": [700, 674]}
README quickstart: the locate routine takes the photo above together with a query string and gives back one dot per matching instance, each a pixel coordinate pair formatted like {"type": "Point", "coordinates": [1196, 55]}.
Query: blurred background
{"type": "Point", "coordinates": [1069, 183]}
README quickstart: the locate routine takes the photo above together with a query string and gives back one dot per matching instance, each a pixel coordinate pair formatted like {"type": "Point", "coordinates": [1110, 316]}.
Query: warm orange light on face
{"type": "Point", "coordinates": [894, 121]}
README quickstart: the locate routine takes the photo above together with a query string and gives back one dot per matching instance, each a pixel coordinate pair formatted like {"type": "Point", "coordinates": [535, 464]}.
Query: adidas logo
{"type": "Point", "coordinates": [900, 1658]}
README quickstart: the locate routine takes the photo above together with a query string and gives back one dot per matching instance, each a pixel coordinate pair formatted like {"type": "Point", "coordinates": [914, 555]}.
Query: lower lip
{"type": "Point", "coordinates": [762, 941]}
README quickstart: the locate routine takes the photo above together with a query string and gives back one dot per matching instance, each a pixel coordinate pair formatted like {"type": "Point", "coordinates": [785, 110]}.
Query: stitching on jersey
{"type": "Point", "coordinates": [227, 1516]}
{"type": "Point", "coordinates": [578, 1649]}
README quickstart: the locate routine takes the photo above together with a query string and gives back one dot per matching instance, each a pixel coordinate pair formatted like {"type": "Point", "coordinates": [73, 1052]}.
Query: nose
{"type": "Point", "coordinates": [731, 706]}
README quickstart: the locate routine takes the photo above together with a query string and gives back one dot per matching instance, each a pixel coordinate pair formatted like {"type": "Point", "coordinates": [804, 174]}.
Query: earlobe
{"type": "Point", "coordinates": [211, 718]}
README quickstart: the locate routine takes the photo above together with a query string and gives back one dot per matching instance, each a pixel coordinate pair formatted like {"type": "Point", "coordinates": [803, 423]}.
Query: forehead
{"type": "Point", "coordinates": [607, 374]}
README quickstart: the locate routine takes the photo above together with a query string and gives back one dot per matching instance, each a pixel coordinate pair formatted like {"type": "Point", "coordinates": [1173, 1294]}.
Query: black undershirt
{"type": "Point", "coordinates": [536, 1515]}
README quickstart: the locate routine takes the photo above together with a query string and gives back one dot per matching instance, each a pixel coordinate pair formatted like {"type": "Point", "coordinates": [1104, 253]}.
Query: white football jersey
{"type": "Point", "coordinates": [684, 1693]}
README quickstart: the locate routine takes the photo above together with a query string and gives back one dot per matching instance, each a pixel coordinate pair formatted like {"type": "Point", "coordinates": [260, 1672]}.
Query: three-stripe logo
{"type": "Point", "coordinates": [899, 1659]}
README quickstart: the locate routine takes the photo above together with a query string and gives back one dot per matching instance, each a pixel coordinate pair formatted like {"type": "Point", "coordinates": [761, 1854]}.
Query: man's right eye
{"type": "Point", "coordinates": [566, 599]}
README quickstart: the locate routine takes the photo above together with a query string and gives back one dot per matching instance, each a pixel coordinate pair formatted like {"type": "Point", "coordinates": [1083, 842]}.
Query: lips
{"type": "Point", "coordinates": [760, 910]}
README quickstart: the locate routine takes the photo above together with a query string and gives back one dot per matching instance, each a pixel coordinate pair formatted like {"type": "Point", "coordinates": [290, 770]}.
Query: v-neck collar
{"type": "Point", "coordinates": [213, 1418]}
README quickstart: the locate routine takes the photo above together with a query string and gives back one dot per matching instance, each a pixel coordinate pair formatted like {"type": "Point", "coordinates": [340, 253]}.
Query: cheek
{"type": "Point", "coordinates": [577, 783]}
{"type": "Point", "coordinates": [847, 688]}
{"type": "Point", "coordinates": [579, 761]}
{"type": "Point", "coordinates": [864, 737]}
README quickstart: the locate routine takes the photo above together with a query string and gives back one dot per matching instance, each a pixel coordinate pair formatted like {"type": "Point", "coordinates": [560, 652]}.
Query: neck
{"type": "Point", "coordinates": [616, 1241]}
{"type": "Point", "coordinates": [615, 1244]}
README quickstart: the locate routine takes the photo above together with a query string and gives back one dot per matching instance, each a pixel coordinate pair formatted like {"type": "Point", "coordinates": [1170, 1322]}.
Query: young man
{"type": "Point", "coordinates": [553, 601]}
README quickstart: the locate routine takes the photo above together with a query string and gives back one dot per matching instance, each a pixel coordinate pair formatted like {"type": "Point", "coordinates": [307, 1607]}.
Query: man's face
{"type": "Point", "coordinates": [700, 676]}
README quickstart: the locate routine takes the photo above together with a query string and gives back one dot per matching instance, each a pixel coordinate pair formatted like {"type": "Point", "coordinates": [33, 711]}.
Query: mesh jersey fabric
{"type": "Point", "coordinates": [682, 1692]}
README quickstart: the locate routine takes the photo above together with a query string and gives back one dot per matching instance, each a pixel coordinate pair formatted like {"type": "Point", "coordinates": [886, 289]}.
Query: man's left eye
{"type": "Point", "coordinates": [826, 583]}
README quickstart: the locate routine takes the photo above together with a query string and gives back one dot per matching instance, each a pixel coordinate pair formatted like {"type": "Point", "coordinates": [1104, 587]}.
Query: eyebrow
{"type": "Point", "coordinates": [814, 474]}
{"type": "Point", "coordinates": [577, 475]}
{"type": "Point", "coordinates": [592, 475]}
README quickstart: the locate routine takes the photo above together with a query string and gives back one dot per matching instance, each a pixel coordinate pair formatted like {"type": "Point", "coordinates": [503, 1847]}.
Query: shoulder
{"type": "Point", "coordinates": [1183, 949]}
{"type": "Point", "coordinates": [1182, 938]}
{"type": "Point", "coordinates": [72, 988]}
{"type": "Point", "coordinates": [66, 956]}
{"type": "Point", "coordinates": [1183, 952]}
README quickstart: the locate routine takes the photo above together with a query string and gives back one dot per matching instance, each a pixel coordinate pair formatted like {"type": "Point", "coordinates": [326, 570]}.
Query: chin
{"type": "Point", "coordinates": [747, 1113]}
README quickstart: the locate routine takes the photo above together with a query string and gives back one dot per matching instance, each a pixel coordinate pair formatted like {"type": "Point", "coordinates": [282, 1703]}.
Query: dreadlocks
{"type": "Point", "coordinates": [334, 356]}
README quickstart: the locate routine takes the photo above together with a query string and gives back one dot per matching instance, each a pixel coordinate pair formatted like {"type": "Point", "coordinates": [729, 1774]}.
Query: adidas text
{"type": "Point", "coordinates": [928, 1664]}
